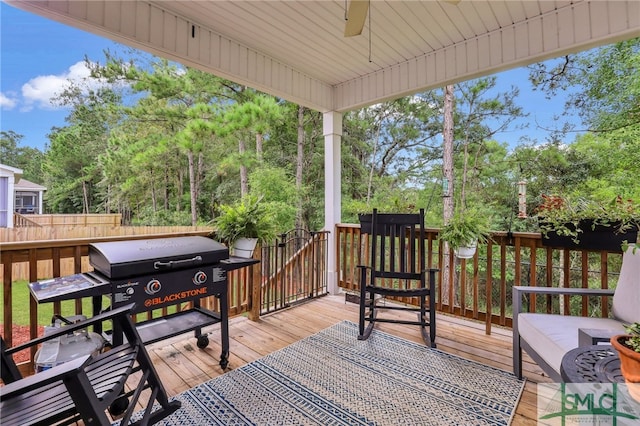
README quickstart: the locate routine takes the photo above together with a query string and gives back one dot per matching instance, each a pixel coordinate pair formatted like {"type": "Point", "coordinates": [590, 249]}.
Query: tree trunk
{"type": "Point", "coordinates": [244, 187]}
{"type": "Point", "coordinates": [199, 174]}
{"type": "Point", "coordinates": [107, 203]}
{"type": "Point", "coordinates": [259, 140]}
{"type": "Point", "coordinates": [192, 188]}
{"type": "Point", "coordinates": [373, 164]}
{"type": "Point", "coordinates": [85, 198]}
{"type": "Point", "coordinates": [166, 189]}
{"type": "Point", "coordinates": [154, 201]}
{"type": "Point", "coordinates": [299, 166]}
{"type": "Point", "coordinates": [447, 185]}
{"type": "Point", "coordinates": [180, 191]}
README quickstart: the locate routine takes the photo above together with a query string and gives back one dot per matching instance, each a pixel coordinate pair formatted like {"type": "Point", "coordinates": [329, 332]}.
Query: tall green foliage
{"type": "Point", "coordinates": [70, 167]}
{"type": "Point", "coordinates": [603, 162]}
{"type": "Point", "coordinates": [604, 84]}
{"type": "Point", "coordinates": [28, 159]}
{"type": "Point", "coordinates": [183, 123]}
{"type": "Point", "coordinates": [177, 143]}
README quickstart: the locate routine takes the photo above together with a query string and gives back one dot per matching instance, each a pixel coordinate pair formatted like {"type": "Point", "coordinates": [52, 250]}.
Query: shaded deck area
{"type": "Point", "coordinates": [182, 365]}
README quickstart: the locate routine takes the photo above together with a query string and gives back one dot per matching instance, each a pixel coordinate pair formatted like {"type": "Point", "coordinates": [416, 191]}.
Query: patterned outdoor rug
{"type": "Point", "coordinates": [331, 378]}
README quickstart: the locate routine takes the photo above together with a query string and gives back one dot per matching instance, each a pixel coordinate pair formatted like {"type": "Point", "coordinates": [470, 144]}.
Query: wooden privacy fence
{"type": "Point", "coordinates": [46, 233]}
{"type": "Point", "coordinates": [480, 288]}
{"type": "Point", "coordinates": [106, 219]}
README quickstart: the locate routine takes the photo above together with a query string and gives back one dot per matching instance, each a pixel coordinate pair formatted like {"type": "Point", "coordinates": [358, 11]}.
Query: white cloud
{"type": "Point", "coordinates": [8, 101]}
{"type": "Point", "coordinates": [39, 91]}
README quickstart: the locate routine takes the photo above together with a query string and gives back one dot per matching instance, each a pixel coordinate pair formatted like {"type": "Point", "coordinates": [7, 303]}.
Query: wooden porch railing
{"type": "Point", "coordinates": [55, 253]}
{"type": "Point", "coordinates": [480, 288]}
{"type": "Point", "coordinates": [482, 291]}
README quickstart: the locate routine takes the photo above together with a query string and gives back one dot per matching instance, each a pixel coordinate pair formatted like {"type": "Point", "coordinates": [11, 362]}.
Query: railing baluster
{"type": "Point", "coordinates": [33, 306]}
{"type": "Point", "coordinates": [489, 287]}
{"type": "Point", "coordinates": [503, 284]}
{"type": "Point", "coordinates": [7, 295]}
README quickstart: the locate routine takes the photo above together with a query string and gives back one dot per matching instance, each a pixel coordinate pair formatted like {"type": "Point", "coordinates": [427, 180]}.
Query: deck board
{"type": "Point", "coordinates": [182, 365]}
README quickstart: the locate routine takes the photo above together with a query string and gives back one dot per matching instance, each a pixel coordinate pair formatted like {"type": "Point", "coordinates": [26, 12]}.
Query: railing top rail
{"type": "Point", "coordinates": [530, 235]}
{"type": "Point", "coordinates": [357, 225]}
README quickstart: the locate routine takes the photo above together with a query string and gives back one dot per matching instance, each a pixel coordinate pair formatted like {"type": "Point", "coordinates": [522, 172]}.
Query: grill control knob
{"type": "Point", "coordinates": [152, 287]}
{"type": "Point", "coordinates": [199, 278]}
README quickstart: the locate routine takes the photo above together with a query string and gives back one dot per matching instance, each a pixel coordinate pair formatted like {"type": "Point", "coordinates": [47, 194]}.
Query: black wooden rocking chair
{"type": "Point", "coordinates": [85, 388]}
{"type": "Point", "coordinates": [397, 269]}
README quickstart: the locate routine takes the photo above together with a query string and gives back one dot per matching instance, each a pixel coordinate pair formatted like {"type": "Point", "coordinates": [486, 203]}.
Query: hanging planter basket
{"type": "Point", "coordinates": [465, 252]}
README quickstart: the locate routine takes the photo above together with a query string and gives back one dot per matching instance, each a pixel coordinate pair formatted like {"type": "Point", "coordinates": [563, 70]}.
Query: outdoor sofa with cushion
{"type": "Point", "coordinates": [547, 337]}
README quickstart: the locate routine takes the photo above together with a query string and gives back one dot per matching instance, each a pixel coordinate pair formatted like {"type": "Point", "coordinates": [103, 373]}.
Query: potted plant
{"type": "Point", "coordinates": [628, 347]}
{"type": "Point", "coordinates": [243, 224]}
{"type": "Point", "coordinates": [589, 224]}
{"type": "Point", "coordinates": [465, 230]}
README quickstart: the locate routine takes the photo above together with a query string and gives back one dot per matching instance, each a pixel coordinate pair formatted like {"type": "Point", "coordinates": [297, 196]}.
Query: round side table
{"type": "Point", "coordinates": [591, 364]}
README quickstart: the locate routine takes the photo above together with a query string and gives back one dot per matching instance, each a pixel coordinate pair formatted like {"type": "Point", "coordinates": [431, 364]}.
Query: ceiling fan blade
{"type": "Point", "coordinates": [355, 17]}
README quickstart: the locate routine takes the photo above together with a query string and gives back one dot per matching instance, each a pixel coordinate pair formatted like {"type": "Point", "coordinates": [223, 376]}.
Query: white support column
{"type": "Point", "coordinates": [332, 131]}
{"type": "Point", "coordinates": [11, 207]}
{"type": "Point", "coordinates": [8, 178]}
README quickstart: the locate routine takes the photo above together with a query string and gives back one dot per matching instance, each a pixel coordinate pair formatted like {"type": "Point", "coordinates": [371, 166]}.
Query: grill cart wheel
{"type": "Point", "coordinates": [203, 341]}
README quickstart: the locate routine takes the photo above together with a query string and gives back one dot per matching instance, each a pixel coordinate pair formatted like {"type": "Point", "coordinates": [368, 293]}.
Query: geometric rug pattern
{"type": "Point", "coordinates": [332, 378]}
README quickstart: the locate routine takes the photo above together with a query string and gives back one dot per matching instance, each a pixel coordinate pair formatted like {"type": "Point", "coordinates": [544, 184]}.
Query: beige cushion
{"type": "Point", "coordinates": [554, 335]}
{"type": "Point", "coordinates": [626, 300]}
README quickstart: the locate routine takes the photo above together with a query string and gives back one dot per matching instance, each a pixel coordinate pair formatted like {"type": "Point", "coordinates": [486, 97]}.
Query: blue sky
{"type": "Point", "coordinates": [39, 55]}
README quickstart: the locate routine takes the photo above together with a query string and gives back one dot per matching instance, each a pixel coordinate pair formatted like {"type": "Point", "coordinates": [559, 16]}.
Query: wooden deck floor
{"type": "Point", "coordinates": [182, 365]}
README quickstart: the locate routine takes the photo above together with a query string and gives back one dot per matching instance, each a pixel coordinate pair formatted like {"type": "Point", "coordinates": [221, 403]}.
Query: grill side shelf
{"type": "Point", "coordinates": [70, 287]}
{"type": "Point", "coordinates": [233, 263]}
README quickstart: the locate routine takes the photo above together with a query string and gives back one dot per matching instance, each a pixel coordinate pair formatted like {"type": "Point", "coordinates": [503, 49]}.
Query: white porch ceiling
{"type": "Point", "coordinates": [296, 49]}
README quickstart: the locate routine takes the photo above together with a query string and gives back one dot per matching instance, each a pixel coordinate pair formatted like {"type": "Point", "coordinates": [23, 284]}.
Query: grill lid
{"type": "Point", "coordinates": [122, 259]}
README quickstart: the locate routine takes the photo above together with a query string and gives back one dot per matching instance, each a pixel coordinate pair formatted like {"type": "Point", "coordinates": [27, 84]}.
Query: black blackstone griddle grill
{"type": "Point", "coordinates": [154, 273]}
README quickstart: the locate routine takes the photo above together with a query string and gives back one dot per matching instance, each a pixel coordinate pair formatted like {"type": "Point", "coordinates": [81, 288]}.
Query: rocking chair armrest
{"type": "Point", "coordinates": [54, 374]}
{"type": "Point", "coordinates": [362, 270]}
